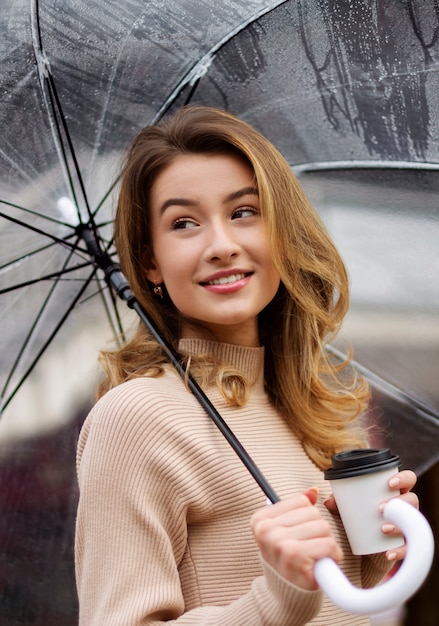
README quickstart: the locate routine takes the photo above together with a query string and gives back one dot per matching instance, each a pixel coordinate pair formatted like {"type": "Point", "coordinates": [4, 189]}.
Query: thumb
{"type": "Point", "coordinates": [312, 494]}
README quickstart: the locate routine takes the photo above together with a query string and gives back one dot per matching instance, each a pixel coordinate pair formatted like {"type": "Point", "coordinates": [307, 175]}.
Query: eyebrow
{"type": "Point", "coordinates": [246, 191]}
{"type": "Point", "coordinates": [235, 195]}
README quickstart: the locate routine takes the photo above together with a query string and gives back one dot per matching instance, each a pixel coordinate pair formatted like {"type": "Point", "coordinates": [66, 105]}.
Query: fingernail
{"type": "Point", "coordinates": [388, 528]}
{"type": "Point", "coordinates": [312, 494]}
{"type": "Point", "coordinates": [391, 556]}
{"type": "Point", "coordinates": [394, 482]}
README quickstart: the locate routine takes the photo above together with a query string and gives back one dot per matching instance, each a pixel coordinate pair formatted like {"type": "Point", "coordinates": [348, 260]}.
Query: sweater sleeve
{"type": "Point", "coordinates": [131, 531]}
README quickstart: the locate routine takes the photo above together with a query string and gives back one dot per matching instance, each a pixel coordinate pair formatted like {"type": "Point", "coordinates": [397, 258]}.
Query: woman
{"type": "Point", "coordinates": [223, 250]}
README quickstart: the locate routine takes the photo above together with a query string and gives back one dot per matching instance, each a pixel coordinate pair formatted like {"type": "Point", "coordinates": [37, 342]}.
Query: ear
{"type": "Point", "coordinates": [153, 274]}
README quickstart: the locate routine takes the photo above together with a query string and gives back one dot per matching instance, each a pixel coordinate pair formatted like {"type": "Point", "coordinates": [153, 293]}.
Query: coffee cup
{"type": "Point", "coordinates": [359, 481]}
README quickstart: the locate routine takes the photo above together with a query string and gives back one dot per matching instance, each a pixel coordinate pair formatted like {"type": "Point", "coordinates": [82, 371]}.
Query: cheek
{"type": "Point", "coordinates": [266, 258]}
{"type": "Point", "coordinates": [176, 270]}
{"type": "Point", "coordinates": [272, 275]}
{"type": "Point", "coordinates": [274, 283]}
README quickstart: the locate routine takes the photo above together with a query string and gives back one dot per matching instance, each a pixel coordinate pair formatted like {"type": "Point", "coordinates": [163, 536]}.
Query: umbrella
{"type": "Point", "coordinates": [346, 92]}
{"type": "Point", "coordinates": [352, 109]}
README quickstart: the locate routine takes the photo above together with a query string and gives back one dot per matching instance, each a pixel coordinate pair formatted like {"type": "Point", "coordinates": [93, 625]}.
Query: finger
{"type": "Point", "coordinates": [295, 560]}
{"type": "Point", "coordinates": [265, 527]}
{"type": "Point", "coordinates": [308, 530]}
{"type": "Point", "coordinates": [389, 529]}
{"type": "Point", "coordinates": [396, 554]}
{"type": "Point", "coordinates": [312, 494]}
{"type": "Point", "coordinates": [331, 505]}
{"type": "Point", "coordinates": [409, 497]}
{"type": "Point", "coordinates": [403, 481]}
{"type": "Point", "coordinates": [283, 506]}
{"type": "Point", "coordinates": [313, 550]}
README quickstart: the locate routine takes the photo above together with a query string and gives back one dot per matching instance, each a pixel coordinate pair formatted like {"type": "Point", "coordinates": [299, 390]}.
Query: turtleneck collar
{"type": "Point", "coordinates": [248, 360]}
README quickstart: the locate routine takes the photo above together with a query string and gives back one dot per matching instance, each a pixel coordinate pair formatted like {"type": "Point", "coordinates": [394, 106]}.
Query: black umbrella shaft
{"type": "Point", "coordinates": [119, 283]}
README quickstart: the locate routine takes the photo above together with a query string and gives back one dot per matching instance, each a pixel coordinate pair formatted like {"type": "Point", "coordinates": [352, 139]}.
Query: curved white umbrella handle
{"type": "Point", "coordinates": [409, 577]}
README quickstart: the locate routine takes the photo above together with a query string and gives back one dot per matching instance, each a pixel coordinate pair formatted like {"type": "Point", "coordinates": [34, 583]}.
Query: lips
{"type": "Point", "coordinates": [225, 280]}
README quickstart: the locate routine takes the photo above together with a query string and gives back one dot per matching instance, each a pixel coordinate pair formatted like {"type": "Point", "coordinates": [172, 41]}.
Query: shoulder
{"type": "Point", "coordinates": [147, 431]}
{"type": "Point", "coordinates": [141, 411]}
{"type": "Point", "coordinates": [142, 399]}
{"type": "Point", "coordinates": [132, 394]}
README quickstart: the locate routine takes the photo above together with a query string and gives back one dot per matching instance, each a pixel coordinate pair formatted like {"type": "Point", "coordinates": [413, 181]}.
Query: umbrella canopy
{"type": "Point", "coordinates": [348, 93]}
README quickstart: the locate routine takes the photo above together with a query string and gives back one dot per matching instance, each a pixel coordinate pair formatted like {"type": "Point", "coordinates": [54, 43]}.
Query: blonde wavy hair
{"type": "Point", "coordinates": [320, 399]}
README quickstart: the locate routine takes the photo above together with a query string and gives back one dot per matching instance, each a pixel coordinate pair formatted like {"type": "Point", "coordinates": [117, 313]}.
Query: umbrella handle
{"type": "Point", "coordinates": [409, 577]}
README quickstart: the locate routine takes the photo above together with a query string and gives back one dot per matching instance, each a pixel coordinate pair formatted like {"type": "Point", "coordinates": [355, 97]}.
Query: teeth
{"type": "Point", "coordinates": [226, 279]}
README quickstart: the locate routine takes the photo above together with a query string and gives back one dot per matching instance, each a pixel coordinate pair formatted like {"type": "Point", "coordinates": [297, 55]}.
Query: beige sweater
{"type": "Point", "coordinates": [163, 520]}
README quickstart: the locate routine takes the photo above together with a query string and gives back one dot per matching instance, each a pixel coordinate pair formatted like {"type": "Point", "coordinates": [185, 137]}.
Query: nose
{"type": "Point", "coordinates": [222, 243]}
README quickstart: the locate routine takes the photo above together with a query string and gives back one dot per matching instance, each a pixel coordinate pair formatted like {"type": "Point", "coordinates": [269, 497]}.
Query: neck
{"type": "Point", "coordinates": [240, 336]}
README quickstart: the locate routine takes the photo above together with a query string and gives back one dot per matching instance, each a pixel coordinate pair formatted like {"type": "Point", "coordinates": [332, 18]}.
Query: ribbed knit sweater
{"type": "Point", "coordinates": [163, 529]}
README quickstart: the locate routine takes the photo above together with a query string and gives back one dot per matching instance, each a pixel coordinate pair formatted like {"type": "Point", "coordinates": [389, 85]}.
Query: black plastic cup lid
{"type": "Point", "coordinates": [361, 461]}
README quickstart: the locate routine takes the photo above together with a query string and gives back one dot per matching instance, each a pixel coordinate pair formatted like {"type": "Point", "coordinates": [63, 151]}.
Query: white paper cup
{"type": "Point", "coordinates": [359, 480]}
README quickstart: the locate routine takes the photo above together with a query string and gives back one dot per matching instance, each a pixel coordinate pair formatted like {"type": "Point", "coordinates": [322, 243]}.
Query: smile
{"type": "Point", "coordinates": [225, 280]}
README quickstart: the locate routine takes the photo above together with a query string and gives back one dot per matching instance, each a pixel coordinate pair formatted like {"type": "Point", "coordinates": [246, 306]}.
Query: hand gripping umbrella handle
{"type": "Point", "coordinates": [409, 577]}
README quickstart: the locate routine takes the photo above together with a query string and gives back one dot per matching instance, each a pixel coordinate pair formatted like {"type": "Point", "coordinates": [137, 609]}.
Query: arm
{"type": "Point", "coordinates": [132, 532]}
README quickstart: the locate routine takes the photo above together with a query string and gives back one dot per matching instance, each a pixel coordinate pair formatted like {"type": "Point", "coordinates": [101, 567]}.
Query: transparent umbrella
{"type": "Point", "coordinates": [347, 94]}
{"type": "Point", "coordinates": [347, 91]}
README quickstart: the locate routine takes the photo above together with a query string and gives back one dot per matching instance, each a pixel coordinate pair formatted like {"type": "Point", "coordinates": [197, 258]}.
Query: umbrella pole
{"type": "Point", "coordinates": [117, 281]}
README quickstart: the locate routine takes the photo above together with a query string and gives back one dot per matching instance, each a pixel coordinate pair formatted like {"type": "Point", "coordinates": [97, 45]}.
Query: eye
{"type": "Point", "coordinates": [183, 223]}
{"type": "Point", "coordinates": [243, 212]}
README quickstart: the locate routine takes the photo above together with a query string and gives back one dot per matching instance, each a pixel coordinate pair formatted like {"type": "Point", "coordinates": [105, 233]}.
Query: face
{"type": "Point", "coordinates": [210, 245]}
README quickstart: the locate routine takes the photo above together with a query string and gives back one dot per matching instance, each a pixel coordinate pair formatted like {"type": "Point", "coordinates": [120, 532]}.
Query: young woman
{"type": "Point", "coordinates": [223, 250]}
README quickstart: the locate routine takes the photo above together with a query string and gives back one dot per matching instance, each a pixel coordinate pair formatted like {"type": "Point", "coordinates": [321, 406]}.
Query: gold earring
{"type": "Point", "coordinates": [158, 290]}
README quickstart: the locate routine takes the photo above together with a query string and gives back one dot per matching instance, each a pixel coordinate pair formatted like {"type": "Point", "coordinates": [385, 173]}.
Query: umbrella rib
{"type": "Point", "coordinates": [317, 166]}
{"type": "Point", "coordinates": [104, 198]}
{"type": "Point", "coordinates": [102, 259]}
{"type": "Point", "coordinates": [31, 331]}
{"type": "Point", "coordinates": [107, 99]}
{"type": "Point", "coordinates": [35, 229]}
{"type": "Point", "coordinates": [59, 275]}
{"type": "Point", "coordinates": [49, 218]}
{"type": "Point", "coordinates": [118, 322]}
{"type": "Point", "coordinates": [46, 343]}
{"type": "Point", "coordinates": [43, 69]}
{"type": "Point", "coordinates": [20, 258]}
{"type": "Point", "coordinates": [62, 149]}
{"type": "Point", "coordinates": [116, 325]}
{"type": "Point", "coordinates": [60, 111]}
{"type": "Point", "coordinates": [55, 111]}
{"type": "Point", "coordinates": [73, 247]}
